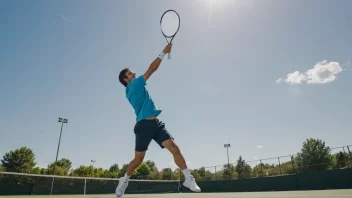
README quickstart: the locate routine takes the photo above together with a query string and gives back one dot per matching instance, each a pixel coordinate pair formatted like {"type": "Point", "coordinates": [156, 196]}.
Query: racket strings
{"type": "Point", "coordinates": [170, 23]}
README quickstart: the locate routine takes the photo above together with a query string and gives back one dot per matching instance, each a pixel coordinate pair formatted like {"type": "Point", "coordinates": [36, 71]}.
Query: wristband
{"type": "Point", "coordinates": [161, 55]}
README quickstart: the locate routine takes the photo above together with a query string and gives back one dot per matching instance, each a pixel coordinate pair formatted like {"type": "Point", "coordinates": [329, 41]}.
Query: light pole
{"type": "Point", "coordinates": [93, 161]}
{"type": "Point", "coordinates": [227, 148]}
{"type": "Point", "coordinates": [228, 159]}
{"type": "Point", "coordinates": [62, 120]}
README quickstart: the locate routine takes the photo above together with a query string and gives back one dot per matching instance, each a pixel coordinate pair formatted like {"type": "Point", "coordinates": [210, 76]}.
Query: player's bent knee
{"type": "Point", "coordinates": [138, 160]}
{"type": "Point", "coordinates": [139, 157]}
{"type": "Point", "coordinates": [171, 146]}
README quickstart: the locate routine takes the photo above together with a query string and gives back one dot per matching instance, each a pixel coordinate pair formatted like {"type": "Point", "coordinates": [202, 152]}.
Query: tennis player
{"type": "Point", "coordinates": [148, 126]}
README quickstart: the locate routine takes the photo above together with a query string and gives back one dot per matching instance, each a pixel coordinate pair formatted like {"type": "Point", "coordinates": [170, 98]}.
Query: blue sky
{"type": "Point", "coordinates": [62, 59]}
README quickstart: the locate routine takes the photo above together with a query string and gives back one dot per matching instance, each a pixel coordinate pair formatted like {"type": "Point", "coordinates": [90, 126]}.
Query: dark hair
{"type": "Point", "coordinates": [122, 76]}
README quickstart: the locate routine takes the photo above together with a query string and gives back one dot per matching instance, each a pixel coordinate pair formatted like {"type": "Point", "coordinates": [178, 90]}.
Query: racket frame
{"type": "Point", "coordinates": [172, 37]}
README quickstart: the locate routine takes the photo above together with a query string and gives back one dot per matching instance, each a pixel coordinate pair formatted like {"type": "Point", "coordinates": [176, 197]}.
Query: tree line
{"type": "Point", "coordinates": [314, 156]}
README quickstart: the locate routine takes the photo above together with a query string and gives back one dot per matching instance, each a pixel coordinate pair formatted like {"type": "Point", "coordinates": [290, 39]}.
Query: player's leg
{"type": "Point", "coordinates": [181, 163]}
{"type": "Point", "coordinates": [143, 139]}
{"type": "Point", "coordinates": [132, 166]}
{"type": "Point", "coordinates": [165, 140]}
{"type": "Point", "coordinates": [176, 152]}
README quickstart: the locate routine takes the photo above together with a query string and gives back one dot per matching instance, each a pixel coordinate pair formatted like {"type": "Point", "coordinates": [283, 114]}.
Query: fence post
{"type": "Point", "coordinates": [261, 167]}
{"type": "Point", "coordinates": [85, 186]}
{"type": "Point", "coordinates": [179, 182]}
{"type": "Point", "coordinates": [348, 161]}
{"type": "Point", "coordinates": [332, 162]}
{"type": "Point", "coordinates": [215, 174]}
{"type": "Point", "coordinates": [279, 165]}
{"type": "Point", "coordinates": [170, 174]}
{"type": "Point", "coordinates": [180, 174]}
{"type": "Point", "coordinates": [349, 152]}
{"type": "Point", "coordinates": [293, 164]}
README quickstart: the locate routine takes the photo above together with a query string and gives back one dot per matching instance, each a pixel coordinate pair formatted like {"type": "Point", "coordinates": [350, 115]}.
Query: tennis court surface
{"type": "Point", "coordinates": [282, 194]}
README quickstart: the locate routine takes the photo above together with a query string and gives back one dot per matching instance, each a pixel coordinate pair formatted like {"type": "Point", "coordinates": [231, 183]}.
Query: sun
{"type": "Point", "coordinates": [217, 8]}
{"type": "Point", "coordinates": [208, 7]}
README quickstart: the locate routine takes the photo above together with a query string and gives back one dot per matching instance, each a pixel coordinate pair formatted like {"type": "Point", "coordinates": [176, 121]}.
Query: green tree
{"type": "Point", "coordinates": [271, 169]}
{"type": "Point", "coordinates": [58, 171]}
{"type": "Point", "coordinates": [114, 168]}
{"type": "Point", "coordinates": [35, 170]}
{"type": "Point", "coordinates": [153, 169]}
{"type": "Point", "coordinates": [83, 171]}
{"type": "Point", "coordinates": [20, 160]}
{"type": "Point", "coordinates": [43, 171]}
{"type": "Point", "coordinates": [229, 172]}
{"type": "Point", "coordinates": [177, 175]}
{"type": "Point", "coordinates": [142, 172]}
{"type": "Point", "coordinates": [314, 156]}
{"type": "Point", "coordinates": [286, 168]}
{"type": "Point", "coordinates": [202, 174]}
{"type": "Point", "coordinates": [2, 169]}
{"type": "Point", "coordinates": [208, 175]}
{"type": "Point", "coordinates": [340, 160]}
{"type": "Point", "coordinates": [123, 171]}
{"type": "Point", "coordinates": [63, 167]}
{"type": "Point", "coordinates": [166, 174]}
{"type": "Point", "coordinates": [195, 174]}
{"type": "Point", "coordinates": [113, 172]}
{"type": "Point", "coordinates": [243, 169]}
{"type": "Point", "coordinates": [257, 170]}
{"type": "Point", "coordinates": [100, 172]}
{"type": "Point", "coordinates": [218, 175]}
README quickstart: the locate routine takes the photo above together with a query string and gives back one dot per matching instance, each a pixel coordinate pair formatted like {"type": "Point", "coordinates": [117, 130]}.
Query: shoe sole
{"type": "Point", "coordinates": [191, 189]}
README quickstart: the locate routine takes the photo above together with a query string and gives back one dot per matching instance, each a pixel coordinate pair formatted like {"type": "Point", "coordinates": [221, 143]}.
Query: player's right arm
{"type": "Point", "coordinates": [155, 64]}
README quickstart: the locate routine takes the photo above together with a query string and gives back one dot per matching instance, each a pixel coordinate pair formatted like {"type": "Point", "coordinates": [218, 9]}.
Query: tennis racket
{"type": "Point", "coordinates": [170, 24]}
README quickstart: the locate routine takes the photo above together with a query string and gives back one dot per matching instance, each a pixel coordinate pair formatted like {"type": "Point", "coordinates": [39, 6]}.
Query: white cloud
{"type": "Point", "coordinates": [278, 81]}
{"type": "Point", "coordinates": [322, 72]}
{"type": "Point", "coordinates": [295, 78]}
{"type": "Point", "coordinates": [259, 146]}
{"type": "Point", "coordinates": [65, 18]}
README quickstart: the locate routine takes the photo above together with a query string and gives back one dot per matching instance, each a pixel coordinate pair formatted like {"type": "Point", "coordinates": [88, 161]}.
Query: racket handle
{"type": "Point", "coordinates": [169, 55]}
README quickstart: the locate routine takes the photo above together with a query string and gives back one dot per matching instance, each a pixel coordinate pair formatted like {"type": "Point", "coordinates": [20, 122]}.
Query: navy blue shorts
{"type": "Point", "coordinates": [148, 130]}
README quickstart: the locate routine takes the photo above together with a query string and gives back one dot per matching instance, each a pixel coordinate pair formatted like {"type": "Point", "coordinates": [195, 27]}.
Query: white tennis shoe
{"type": "Point", "coordinates": [190, 183]}
{"type": "Point", "coordinates": [121, 187]}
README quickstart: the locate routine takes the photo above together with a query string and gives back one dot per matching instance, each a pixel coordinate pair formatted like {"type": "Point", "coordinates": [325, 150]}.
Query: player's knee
{"type": "Point", "coordinates": [138, 160]}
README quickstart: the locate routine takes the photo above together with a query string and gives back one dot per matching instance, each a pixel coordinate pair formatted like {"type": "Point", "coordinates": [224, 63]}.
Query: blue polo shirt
{"type": "Point", "coordinates": [139, 98]}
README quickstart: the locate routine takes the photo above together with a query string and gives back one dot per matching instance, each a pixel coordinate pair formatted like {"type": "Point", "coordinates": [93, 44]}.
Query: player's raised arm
{"type": "Point", "coordinates": [156, 63]}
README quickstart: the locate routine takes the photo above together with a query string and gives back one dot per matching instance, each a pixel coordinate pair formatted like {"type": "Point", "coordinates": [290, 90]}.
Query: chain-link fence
{"type": "Point", "coordinates": [336, 158]}
{"type": "Point", "coordinates": [316, 159]}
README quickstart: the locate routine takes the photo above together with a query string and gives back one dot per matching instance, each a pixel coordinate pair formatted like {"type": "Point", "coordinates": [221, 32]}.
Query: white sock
{"type": "Point", "coordinates": [126, 177]}
{"type": "Point", "coordinates": [186, 173]}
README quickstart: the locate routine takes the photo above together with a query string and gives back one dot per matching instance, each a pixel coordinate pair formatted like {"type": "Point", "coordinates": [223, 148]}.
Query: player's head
{"type": "Point", "coordinates": [126, 76]}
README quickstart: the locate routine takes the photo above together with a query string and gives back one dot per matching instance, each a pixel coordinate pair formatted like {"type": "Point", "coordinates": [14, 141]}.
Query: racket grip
{"type": "Point", "coordinates": [169, 55]}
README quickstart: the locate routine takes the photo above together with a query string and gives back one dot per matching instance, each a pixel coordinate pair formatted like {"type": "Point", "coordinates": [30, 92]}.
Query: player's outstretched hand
{"type": "Point", "coordinates": [167, 49]}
